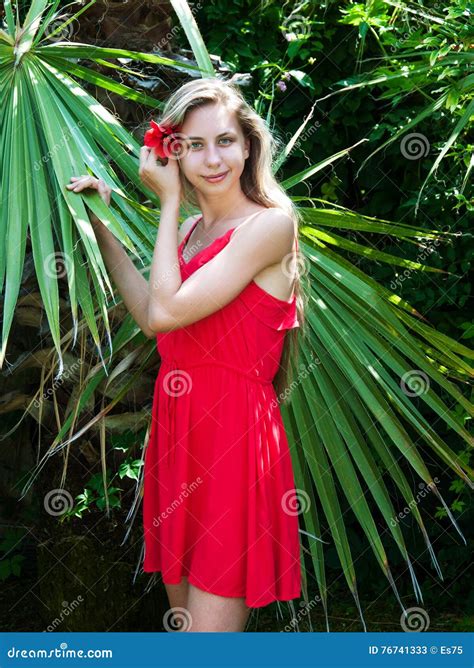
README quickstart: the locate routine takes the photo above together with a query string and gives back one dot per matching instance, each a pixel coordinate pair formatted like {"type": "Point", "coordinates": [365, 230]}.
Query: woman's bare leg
{"type": "Point", "coordinates": [212, 613]}
{"type": "Point", "coordinates": [178, 598]}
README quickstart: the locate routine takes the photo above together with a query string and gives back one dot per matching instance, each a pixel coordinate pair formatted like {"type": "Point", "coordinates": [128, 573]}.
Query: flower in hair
{"type": "Point", "coordinates": [159, 137]}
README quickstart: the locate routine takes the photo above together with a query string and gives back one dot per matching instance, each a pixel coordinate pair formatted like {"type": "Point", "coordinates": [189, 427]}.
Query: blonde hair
{"type": "Point", "coordinates": [257, 182]}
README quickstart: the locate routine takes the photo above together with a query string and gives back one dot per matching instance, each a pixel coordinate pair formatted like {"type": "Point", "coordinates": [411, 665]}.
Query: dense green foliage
{"type": "Point", "coordinates": [332, 49]}
{"type": "Point", "coordinates": [399, 76]}
{"type": "Point", "coordinates": [333, 45]}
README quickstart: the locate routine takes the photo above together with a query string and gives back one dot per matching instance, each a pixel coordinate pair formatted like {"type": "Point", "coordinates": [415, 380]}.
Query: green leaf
{"type": "Point", "coordinates": [68, 50]}
{"type": "Point", "coordinates": [107, 83]}
{"type": "Point", "coordinates": [194, 36]}
{"type": "Point", "coordinates": [463, 121]}
{"type": "Point", "coordinates": [9, 16]}
{"type": "Point", "coordinates": [14, 148]}
{"type": "Point", "coordinates": [302, 78]}
{"type": "Point", "coordinates": [130, 468]}
{"type": "Point", "coordinates": [310, 171]}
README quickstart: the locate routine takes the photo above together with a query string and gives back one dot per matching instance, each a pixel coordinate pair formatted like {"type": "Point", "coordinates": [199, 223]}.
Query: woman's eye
{"type": "Point", "coordinates": [196, 144]}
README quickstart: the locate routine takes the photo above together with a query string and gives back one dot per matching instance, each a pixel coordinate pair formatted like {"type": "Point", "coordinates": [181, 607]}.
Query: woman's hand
{"type": "Point", "coordinates": [162, 179]}
{"type": "Point", "coordinates": [82, 182]}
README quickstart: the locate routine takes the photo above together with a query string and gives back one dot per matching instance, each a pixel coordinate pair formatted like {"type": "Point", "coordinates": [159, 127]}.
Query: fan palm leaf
{"type": "Point", "coordinates": [50, 130]}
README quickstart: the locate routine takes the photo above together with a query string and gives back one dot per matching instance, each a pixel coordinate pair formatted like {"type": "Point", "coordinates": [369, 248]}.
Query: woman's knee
{"type": "Point", "coordinates": [178, 593]}
{"type": "Point", "coordinates": [212, 613]}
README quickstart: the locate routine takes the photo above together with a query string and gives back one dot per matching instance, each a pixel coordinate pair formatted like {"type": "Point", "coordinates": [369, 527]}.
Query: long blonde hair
{"type": "Point", "coordinates": [257, 182]}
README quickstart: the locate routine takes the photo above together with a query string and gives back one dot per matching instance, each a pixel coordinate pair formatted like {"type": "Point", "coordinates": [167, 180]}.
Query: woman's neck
{"type": "Point", "coordinates": [224, 209]}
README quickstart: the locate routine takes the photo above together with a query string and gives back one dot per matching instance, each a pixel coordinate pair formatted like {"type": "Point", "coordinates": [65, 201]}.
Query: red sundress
{"type": "Point", "coordinates": [218, 478]}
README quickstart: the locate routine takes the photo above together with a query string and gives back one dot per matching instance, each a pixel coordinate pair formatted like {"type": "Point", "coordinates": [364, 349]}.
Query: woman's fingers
{"type": "Point", "coordinates": [81, 182]}
{"type": "Point", "coordinates": [83, 177]}
{"type": "Point", "coordinates": [104, 190]}
{"type": "Point", "coordinates": [144, 152]}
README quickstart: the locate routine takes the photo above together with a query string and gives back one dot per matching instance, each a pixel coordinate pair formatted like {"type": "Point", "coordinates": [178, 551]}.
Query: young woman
{"type": "Point", "coordinates": [222, 299]}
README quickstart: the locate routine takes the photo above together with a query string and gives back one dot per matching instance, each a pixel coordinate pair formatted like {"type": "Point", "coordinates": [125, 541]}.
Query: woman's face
{"type": "Point", "coordinates": [215, 146]}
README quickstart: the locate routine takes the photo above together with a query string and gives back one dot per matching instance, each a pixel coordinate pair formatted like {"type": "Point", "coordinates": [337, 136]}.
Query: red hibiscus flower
{"type": "Point", "coordinates": [159, 137]}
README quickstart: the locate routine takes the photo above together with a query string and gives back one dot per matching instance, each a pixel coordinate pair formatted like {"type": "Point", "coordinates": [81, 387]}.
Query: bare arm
{"type": "Point", "coordinates": [132, 286]}
{"type": "Point", "coordinates": [253, 247]}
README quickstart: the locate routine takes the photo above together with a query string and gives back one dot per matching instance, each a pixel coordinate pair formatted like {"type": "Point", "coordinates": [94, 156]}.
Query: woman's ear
{"type": "Point", "coordinates": [247, 148]}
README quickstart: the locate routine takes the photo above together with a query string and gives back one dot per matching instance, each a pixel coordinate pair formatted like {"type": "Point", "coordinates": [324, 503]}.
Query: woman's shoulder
{"type": "Point", "coordinates": [255, 230]}
{"type": "Point", "coordinates": [186, 226]}
{"type": "Point", "coordinates": [270, 209]}
{"type": "Point", "coordinates": [276, 216]}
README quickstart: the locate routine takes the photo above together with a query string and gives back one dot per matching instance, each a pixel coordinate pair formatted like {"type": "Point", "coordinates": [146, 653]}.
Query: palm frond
{"type": "Point", "coordinates": [53, 129]}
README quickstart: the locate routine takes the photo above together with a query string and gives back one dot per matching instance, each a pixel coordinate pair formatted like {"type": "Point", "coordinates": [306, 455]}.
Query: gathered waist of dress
{"type": "Point", "coordinates": [251, 374]}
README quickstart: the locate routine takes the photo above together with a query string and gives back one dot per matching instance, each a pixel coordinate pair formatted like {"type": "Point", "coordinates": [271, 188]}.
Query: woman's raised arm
{"type": "Point", "coordinates": [132, 286]}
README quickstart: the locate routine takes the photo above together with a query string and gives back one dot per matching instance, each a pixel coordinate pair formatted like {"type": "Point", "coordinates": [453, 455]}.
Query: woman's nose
{"type": "Point", "coordinates": [212, 156]}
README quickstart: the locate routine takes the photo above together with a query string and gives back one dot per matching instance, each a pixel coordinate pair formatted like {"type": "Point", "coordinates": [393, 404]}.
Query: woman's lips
{"type": "Point", "coordinates": [216, 179]}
